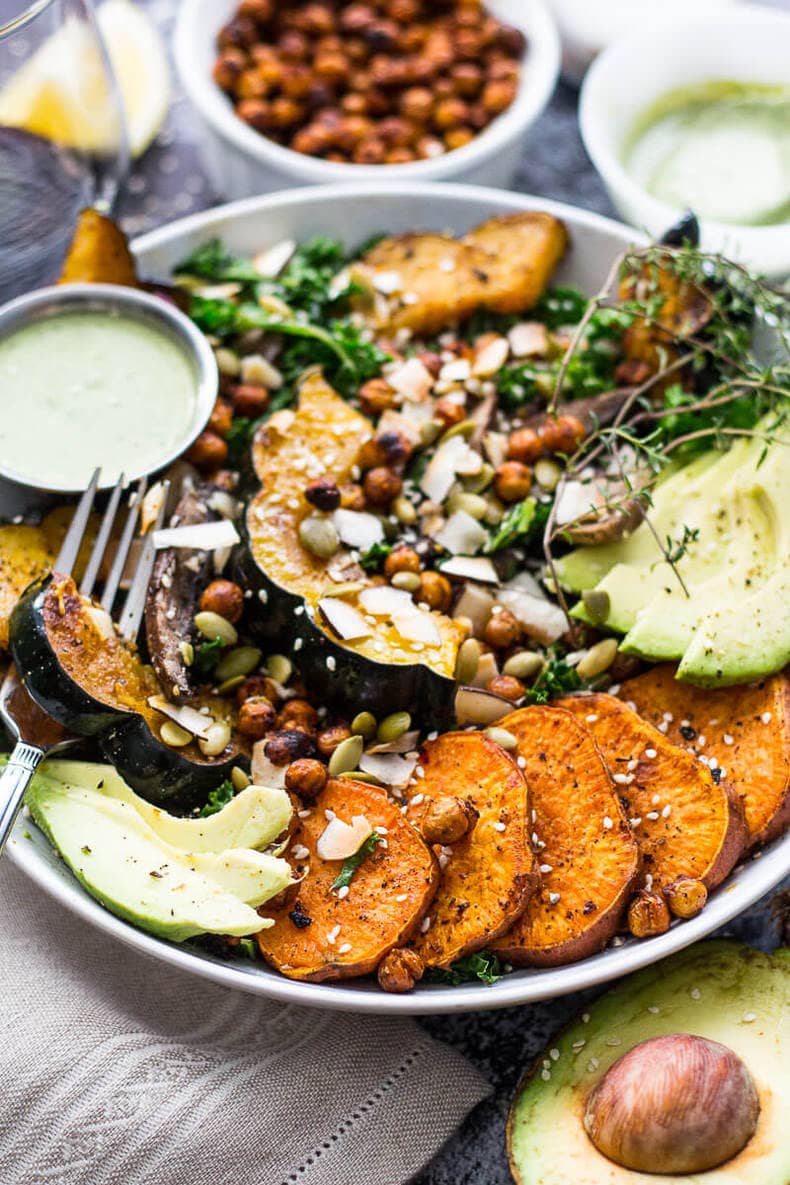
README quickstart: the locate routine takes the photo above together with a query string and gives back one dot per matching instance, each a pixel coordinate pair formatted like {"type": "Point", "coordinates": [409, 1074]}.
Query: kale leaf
{"type": "Point", "coordinates": [523, 522]}
{"type": "Point", "coordinates": [211, 261]}
{"type": "Point", "coordinates": [207, 655]}
{"type": "Point", "coordinates": [217, 799]}
{"type": "Point", "coordinates": [557, 679]}
{"type": "Point", "coordinates": [482, 965]}
{"type": "Point", "coordinates": [373, 559]}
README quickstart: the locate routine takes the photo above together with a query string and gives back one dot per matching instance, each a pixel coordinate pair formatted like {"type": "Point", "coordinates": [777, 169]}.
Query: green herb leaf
{"type": "Point", "coordinates": [211, 261]}
{"type": "Point", "coordinates": [557, 679]}
{"type": "Point", "coordinates": [560, 306]}
{"type": "Point", "coordinates": [482, 965]}
{"type": "Point", "coordinates": [516, 524]}
{"type": "Point", "coordinates": [217, 317]}
{"type": "Point", "coordinates": [207, 655]}
{"type": "Point", "coordinates": [217, 799]}
{"type": "Point", "coordinates": [248, 947]}
{"type": "Point", "coordinates": [352, 863]}
{"type": "Point", "coordinates": [373, 559]}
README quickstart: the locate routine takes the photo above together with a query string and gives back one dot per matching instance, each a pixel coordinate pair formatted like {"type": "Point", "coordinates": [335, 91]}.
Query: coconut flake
{"type": "Point", "coordinates": [490, 358]}
{"type": "Point", "coordinates": [198, 537]}
{"type": "Point", "coordinates": [151, 505]}
{"type": "Point", "coordinates": [101, 621]}
{"type": "Point", "coordinates": [390, 768]}
{"type": "Point", "coordinates": [187, 718]}
{"type": "Point", "coordinates": [340, 840]}
{"type": "Point", "coordinates": [263, 771]}
{"type": "Point", "coordinates": [462, 534]}
{"type": "Point", "coordinates": [475, 603]}
{"type": "Point", "coordinates": [529, 339]}
{"type": "Point", "coordinates": [475, 706]}
{"type": "Point", "coordinates": [383, 600]}
{"type": "Point", "coordinates": [272, 260]}
{"type": "Point", "coordinates": [452, 457]}
{"type": "Point", "coordinates": [404, 744]}
{"type": "Point", "coordinates": [358, 529]}
{"type": "Point", "coordinates": [345, 620]}
{"type": "Point", "coordinates": [575, 500]}
{"type": "Point", "coordinates": [487, 669]}
{"type": "Point", "coordinates": [412, 381]}
{"type": "Point", "coordinates": [457, 371]}
{"type": "Point", "coordinates": [540, 619]}
{"type": "Point", "coordinates": [476, 568]}
{"type": "Point", "coordinates": [412, 623]}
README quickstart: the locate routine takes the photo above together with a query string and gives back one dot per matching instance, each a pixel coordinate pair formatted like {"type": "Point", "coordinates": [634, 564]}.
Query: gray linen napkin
{"type": "Point", "coordinates": [118, 1071]}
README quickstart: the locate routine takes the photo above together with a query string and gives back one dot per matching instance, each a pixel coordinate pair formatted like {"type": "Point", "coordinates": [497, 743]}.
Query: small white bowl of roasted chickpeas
{"type": "Point", "coordinates": [316, 91]}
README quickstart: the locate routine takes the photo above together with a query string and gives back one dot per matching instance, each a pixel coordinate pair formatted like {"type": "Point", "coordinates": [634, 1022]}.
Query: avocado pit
{"type": "Point", "coordinates": [673, 1104]}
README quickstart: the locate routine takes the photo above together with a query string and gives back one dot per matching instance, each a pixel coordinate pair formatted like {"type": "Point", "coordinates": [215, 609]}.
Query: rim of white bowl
{"type": "Point", "coordinates": [539, 79]}
{"type": "Point", "coordinates": [647, 44]}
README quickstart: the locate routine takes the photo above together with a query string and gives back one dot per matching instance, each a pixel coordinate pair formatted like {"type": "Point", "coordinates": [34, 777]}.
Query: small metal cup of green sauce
{"type": "Point", "coordinates": [98, 375]}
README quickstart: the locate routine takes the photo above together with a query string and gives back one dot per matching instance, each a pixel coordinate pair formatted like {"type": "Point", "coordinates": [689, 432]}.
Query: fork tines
{"type": "Point", "coordinates": [134, 605]}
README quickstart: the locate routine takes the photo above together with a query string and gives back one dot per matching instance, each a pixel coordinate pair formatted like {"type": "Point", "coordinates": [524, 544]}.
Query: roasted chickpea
{"type": "Point", "coordinates": [449, 411]}
{"type": "Point", "coordinates": [401, 559]}
{"type": "Point", "coordinates": [293, 46]}
{"type": "Point", "coordinates": [257, 686]}
{"type": "Point", "coordinates": [405, 12]}
{"type": "Point", "coordinates": [429, 147]}
{"type": "Point", "coordinates": [221, 418]}
{"type": "Point", "coordinates": [256, 718]}
{"type": "Point", "coordinates": [447, 820]}
{"type": "Point", "coordinates": [332, 67]}
{"type": "Point", "coordinates": [238, 33]}
{"type": "Point", "coordinates": [525, 445]}
{"type": "Point", "coordinates": [329, 738]}
{"type": "Point", "coordinates": [376, 396]}
{"type": "Point", "coordinates": [225, 598]}
{"type": "Point", "coordinates": [259, 10]}
{"type": "Point", "coordinates": [468, 44]}
{"type": "Point", "coordinates": [323, 493]}
{"type": "Point", "coordinates": [351, 131]}
{"type": "Point", "coordinates": [498, 95]}
{"type": "Point", "coordinates": [306, 777]}
{"type": "Point", "coordinates": [511, 40]}
{"type": "Point", "coordinates": [435, 591]}
{"type": "Point", "coordinates": [686, 896]}
{"type": "Point", "coordinates": [286, 112]}
{"type": "Point", "coordinates": [507, 686]}
{"type": "Point", "coordinates": [256, 113]}
{"type": "Point", "coordinates": [249, 400]}
{"type": "Point", "coordinates": [399, 156]}
{"type": "Point", "coordinates": [317, 19]}
{"type": "Point", "coordinates": [400, 970]}
{"type": "Point", "coordinates": [297, 713]}
{"type": "Point", "coordinates": [468, 79]}
{"type": "Point", "coordinates": [393, 447]}
{"type": "Point", "coordinates": [251, 85]}
{"type": "Point", "coordinates": [287, 745]}
{"type": "Point", "coordinates": [502, 630]}
{"type": "Point", "coordinates": [382, 36]}
{"type": "Point", "coordinates": [458, 137]}
{"type": "Point", "coordinates": [296, 80]}
{"type": "Point", "coordinates": [512, 481]}
{"type": "Point", "coordinates": [208, 452]}
{"type": "Point", "coordinates": [417, 103]}
{"type": "Point", "coordinates": [431, 361]}
{"type": "Point", "coordinates": [356, 18]}
{"type": "Point", "coordinates": [354, 104]}
{"type": "Point", "coordinates": [352, 497]}
{"type": "Point", "coordinates": [370, 151]}
{"type": "Point", "coordinates": [313, 140]}
{"type": "Point", "coordinates": [562, 434]}
{"type": "Point", "coordinates": [381, 486]}
{"type": "Point", "coordinates": [228, 68]}
{"type": "Point", "coordinates": [648, 914]}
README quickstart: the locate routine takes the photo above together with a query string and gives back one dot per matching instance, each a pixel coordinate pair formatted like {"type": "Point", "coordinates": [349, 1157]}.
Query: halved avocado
{"type": "Point", "coordinates": [720, 991]}
{"type": "Point", "coordinates": [77, 669]}
{"type": "Point", "coordinates": [384, 671]}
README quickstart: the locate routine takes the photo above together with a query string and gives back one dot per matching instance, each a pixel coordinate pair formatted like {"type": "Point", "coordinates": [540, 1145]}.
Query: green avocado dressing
{"type": "Point", "coordinates": [721, 149]}
{"type": "Point", "coordinates": [87, 389]}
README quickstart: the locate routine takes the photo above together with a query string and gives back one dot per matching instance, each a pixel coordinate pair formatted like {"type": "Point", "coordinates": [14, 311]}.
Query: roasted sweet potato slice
{"type": "Point", "coordinates": [319, 934]}
{"type": "Point", "coordinates": [503, 265]}
{"type": "Point", "coordinates": [744, 729]}
{"type": "Point", "coordinates": [588, 856]}
{"type": "Point", "coordinates": [490, 873]}
{"type": "Point", "coordinates": [685, 822]}
{"type": "Point", "coordinates": [99, 254]}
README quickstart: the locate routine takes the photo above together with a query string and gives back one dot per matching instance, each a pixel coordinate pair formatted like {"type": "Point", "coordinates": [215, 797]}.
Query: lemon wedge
{"type": "Point", "coordinates": [62, 92]}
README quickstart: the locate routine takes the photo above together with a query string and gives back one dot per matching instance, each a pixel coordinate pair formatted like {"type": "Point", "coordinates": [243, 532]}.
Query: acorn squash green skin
{"type": "Point", "coordinates": [160, 774]}
{"type": "Point", "coordinates": [357, 683]}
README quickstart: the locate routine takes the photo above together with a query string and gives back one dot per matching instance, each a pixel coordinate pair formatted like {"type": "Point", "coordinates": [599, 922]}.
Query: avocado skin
{"type": "Point", "coordinates": [547, 1144]}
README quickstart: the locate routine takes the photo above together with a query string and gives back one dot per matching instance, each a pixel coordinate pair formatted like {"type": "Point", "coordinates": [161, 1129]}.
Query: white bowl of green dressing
{"type": "Point", "coordinates": [98, 376]}
{"type": "Point", "coordinates": [696, 115]}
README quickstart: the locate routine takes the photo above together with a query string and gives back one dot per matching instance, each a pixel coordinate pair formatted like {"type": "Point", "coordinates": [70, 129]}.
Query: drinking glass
{"type": "Point", "coordinates": [62, 134]}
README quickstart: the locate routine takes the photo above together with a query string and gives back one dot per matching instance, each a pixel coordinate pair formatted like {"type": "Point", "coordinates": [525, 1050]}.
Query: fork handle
{"type": "Point", "coordinates": [14, 781]}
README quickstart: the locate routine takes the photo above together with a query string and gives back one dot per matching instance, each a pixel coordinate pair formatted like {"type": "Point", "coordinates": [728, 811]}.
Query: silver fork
{"type": "Point", "coordinates": [36, 734]}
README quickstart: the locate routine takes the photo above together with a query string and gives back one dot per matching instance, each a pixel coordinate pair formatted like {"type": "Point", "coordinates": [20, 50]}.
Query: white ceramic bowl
{"type": "Point", "coordinates": [748, 45]}
{"type": "Point", "coordinates": [242, 162]}
{"type": "Point", "coordinates": [353, 215]}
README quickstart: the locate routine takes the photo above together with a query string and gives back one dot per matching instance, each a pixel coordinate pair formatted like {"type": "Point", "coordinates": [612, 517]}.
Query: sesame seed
{"type": "Point", "coordinates": [653, 1010]}
{"type": "Point", "coordinates": [591, 719]}
{"type": "Point", "coordinates": [663, 726]}
{"type": "Point", "coordinates": [702, 741]}
{"type": "Point", "coordinates": [668, 717]}
{"type": "Point", "coordinates": [499, 826]}
{"type": "Point", "coordinates": [554, 898]}
{"type": "Point", "coordinates": [748, 1017]}
{"type": "Point", "coordinates": [629, 703]}
{"type": "Point", "coordinates": [585, 1018]}
{"type": "Point", "coordinates": [344, 949]}
{"type": "Point", "coordinates": [331, 662]}
{"type": "Point", "coordinates": [649, 881]}
{"type": "Point", "coordinates": [521, 762]}
{"type": "Point", "coordinates": [417, 800]}
{"type": "Point", "coordinates": [425, 925]}
{"type": "Point", "coordinates": [332, 935]}
{"type": "Point", "coordinates": [667, 811]}
{"type": "Point", "coordinates": [613, 1041]}
{"type": "Point", "coordinates": [695, 993]}
{"type": "Point", "coordinates": [545, 1075]}
{"type": "Point", "coordinates": [343, 892]}
{"type": "Point", "coordinates": [728, 740]}
{"type": "Point", "coordinates": [401, 897]}
{"type": "Point", "coordinates": [617, 941]}
{"type": "Point", "coordinates": [608, 823]}
{"type": "Point", "coordinates": [303, 814]}
{"type": "Point", "coordinates": [535, 838]}
{"type": "Point", "coordinates": [651, 815]}
{"type": "Point", "coordinates": [534, 815]}
{"type": "Point", "coordinates": [593, 1064]}
{"type": "Point", "coordinates": [298, 643]}
{"type": "Point", "coordinates": [300, 852]}
{"type": "Point", "coordinates": [635, 821]}
{"type": "Point", "coordinates": [766, 717]}
{"type": "Point", "coordinates": [577, 1045]}
{"type": "Point", "coordinates": [650, 754]}
{"type": "Point", "coordinates": [546, 869]}
{"type": "Point", "coordinates": [631, 765]}
{"type": "Point", "coordinates": [420, 772]}
{"type": "Point", "coordinates": [623, 779]}
{"type": "Point", "coordinates": [656, 799]}
{"type": "Point", "coordinates": [554, 1054]}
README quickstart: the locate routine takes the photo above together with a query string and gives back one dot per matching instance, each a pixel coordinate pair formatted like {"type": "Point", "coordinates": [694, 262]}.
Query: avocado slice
{"type": "Point", "coordinates": [718, 990]}
{"type": "Point", "coordinates": [252, 819]}
{"type": "Point", "coordinates": [138, 876]}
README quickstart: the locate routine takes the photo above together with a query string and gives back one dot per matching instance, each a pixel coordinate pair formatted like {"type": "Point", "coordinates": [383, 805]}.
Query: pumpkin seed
{"type": "Point", "coordinates": [392, 727]}
{"type": "Point", "coordinates": [240, 779]}
{"type": "Point", "coordinates": [468, 660]}
{"type": "Point", "coordinates": [404, 511]}
{"type": "Point", "coordinates": [410, 581]}
{"type": "Point", "coordinates": [465, 428]}
{"type": "Point", "coordinates": [318, 536]}
{"type": "Point", "coordinates": [239, 661]}
{"type": "Point", "coordinates": [523, 665]}
{"type": "Point", "coordinates": [429, 431]}
{"type": "Point", "coordinates": [346, 756]}
{"type": "Point", "coordinates": [347, 589]}
{"type": "Point", "coordinates": [495, 512]}
{"type": "Point", "coordinates": [217, 739]}
{"type": "Point", "coordinates": [230, 685]}
{"type": "Point", "coordinates": [364, 724]}
{"type": "Point", "coordinates": [598, 658]}
{"type": "Point", "coordinates": [187, 652]}
{"type": "Point", "coordinates": [501, 737]}
{"type": "Point", "coordinates": [212, 626]}
{"type": "Point", "coordinates": [174, 735]}
{"type": "Point", "coordinates": [481, 481]}
{"type": "Point", "coordinates": [475, 506]}
{"type": "Point", "coordinates": [596, 602]}
{"type": "Point", "coordinates": [359, 775]}
{"type": "Point", "coordinates": [547, 474]}
{"type": "Point", "coordinates": [280, 668]}
{"type": "Point", "coordinates": [228, 361]}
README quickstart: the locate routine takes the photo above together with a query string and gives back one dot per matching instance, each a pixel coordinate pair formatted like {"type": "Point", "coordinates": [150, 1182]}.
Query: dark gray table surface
{"type": "Point", "coordinates": [168, 183]}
